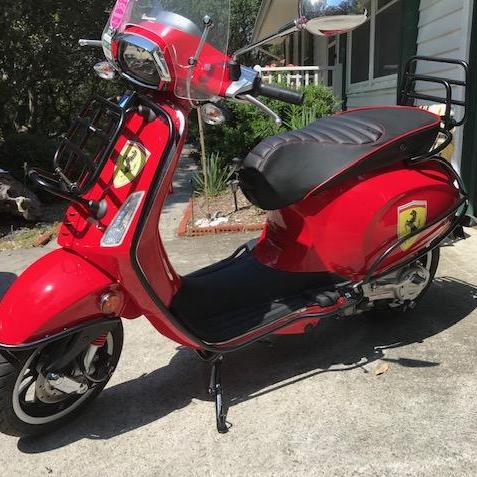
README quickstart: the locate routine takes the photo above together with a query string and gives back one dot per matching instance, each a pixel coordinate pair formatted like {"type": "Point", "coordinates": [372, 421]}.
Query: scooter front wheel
{"type": "Point", "coordinates": [33, 402]}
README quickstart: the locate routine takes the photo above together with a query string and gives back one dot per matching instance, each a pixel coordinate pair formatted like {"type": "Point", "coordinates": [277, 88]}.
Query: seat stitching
{"type": "Point", "coordinates": [346, 137]}
{"type": "Point", "coordinates": [352, 135]}
{"type": "Point", "coordinates": [362, 123]}
{"type": "Point", "coordinates": [366, 131]}
{"type": "Point", "coordinates": [329, 132]}
{"type": "Point", "coordinates": [324, 134]}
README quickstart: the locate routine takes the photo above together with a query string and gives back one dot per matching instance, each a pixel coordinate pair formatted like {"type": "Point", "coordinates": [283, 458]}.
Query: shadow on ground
{"type": "Point", "coordinates": [334, 347]}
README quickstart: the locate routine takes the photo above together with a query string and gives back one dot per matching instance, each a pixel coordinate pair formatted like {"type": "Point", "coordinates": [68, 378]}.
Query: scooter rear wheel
{"type": "Point", "coordinates": [30, 405]}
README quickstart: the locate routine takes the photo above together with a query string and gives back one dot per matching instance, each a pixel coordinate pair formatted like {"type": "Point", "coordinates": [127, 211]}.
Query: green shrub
{"type": "Point", "coordinates": [299, 118]}
{"type": "Point", "coordinates": [249, 126]}
{"type": "Point", "coordinates": [218, 176]}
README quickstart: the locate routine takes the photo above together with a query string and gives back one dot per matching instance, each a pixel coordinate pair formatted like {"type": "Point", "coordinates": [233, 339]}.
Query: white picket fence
{"type": "Point", "coordinates": [298, 76]}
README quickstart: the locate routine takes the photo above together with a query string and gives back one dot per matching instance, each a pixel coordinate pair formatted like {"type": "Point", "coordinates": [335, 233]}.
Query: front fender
{"type": "Point", "coordinates": [59, 291]}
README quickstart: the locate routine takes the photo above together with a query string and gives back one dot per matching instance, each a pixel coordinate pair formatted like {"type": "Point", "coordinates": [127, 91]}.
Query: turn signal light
{"type": "Point", "coordinates": [105, 70]}
{"type": "Point", "coordinates": [111, 303]}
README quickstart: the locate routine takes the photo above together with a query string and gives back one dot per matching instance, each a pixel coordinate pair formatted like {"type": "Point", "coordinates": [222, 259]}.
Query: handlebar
{"type": "Point", "coordinates": [277, 92]}
{"type": "Point", "coordinates": [94, 43]}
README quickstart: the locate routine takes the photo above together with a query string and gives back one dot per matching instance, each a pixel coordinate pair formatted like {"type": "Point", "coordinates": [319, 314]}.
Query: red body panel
{"type": "Point", "coordinates": [58, 291]}
{"type": "Point", "coordinates": [81, 235]}
{"type": "Point", "coordinates": [345, 228]}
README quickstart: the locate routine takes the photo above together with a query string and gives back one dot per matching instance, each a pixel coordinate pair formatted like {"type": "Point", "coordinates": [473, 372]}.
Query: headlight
{"type": "Point", "coordinates": [140, 64]}
{"type": "Point", "coordinates": [142, 61]}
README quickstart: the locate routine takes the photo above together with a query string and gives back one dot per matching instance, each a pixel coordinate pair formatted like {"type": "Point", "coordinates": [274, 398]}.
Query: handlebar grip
{"type": "Point", "coordinates": [277, 92]}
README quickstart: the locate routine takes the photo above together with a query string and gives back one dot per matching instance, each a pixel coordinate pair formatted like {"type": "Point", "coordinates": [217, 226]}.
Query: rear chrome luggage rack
{"type": "Point", "coordinates": [409, 93]}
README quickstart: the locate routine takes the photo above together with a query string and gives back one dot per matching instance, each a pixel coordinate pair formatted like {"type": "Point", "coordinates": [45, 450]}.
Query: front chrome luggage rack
{"type": "Point", "coordinates": [83, 152]}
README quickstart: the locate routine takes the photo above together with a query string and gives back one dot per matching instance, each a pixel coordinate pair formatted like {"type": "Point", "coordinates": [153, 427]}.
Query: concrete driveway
{"type": "Point", "coordinates": [308, 405]}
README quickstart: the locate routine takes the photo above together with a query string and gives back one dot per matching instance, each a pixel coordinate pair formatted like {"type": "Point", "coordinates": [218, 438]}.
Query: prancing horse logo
{"type": "Point", "coordinates": [411, 218]}
{"type": "Point", "coordinates": [130, 163]}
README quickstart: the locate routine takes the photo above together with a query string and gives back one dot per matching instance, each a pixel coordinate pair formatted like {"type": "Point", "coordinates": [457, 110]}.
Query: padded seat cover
{"type": "Point", "coordinates": [284, 169]}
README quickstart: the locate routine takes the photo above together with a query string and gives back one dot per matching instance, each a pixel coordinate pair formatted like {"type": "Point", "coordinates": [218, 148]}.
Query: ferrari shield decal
{"type": "Point", "coordinates": [131, 162]}
{"type": "Point", "coordinates": [411, 218]}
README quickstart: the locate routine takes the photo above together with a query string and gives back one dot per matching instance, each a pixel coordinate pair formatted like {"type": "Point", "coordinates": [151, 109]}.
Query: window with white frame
{"type": "Point", "coordinates": [375, 47]}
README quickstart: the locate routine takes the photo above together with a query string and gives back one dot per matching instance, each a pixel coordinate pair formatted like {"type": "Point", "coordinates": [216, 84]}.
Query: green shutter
{"type": "Point", "coordinates": [342, 58]}
{"type": "Point", "coordinates": [469, 152]}
{"type": "Point", "coordinates": [409, 31]}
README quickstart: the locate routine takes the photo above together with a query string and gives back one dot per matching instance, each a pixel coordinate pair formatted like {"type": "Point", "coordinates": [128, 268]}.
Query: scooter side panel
{"type": "Point", "coordinates": [142, 242]}
{"type": "Point", "coordinates": [345, 228]}
{"type": "Point", "coordinates": [58, 291]}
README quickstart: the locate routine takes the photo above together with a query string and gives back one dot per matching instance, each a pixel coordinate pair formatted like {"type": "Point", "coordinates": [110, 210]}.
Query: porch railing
{"type": "Point", "coordinates": [298, 76]}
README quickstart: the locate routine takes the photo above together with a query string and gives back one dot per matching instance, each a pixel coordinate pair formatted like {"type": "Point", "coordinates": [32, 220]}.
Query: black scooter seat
{"type": "Point", "coordinates": [283, 169]}
{"type": "Point", "coordinates": [232, 297]}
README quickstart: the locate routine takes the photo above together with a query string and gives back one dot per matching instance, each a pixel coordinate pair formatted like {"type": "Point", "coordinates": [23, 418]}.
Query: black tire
{"type": "Point", "coordinates": [10, 370]}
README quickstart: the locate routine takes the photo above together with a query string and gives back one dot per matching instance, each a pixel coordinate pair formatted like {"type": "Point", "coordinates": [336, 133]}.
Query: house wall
{"type": "Point", "coordinates": [444, 30]}
{"type": "Point", "coordinates": [320, 51]}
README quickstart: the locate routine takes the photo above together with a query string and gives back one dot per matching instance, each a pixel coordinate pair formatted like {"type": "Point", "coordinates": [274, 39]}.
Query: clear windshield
{"type": "Point", "coordinates": [180, 23]}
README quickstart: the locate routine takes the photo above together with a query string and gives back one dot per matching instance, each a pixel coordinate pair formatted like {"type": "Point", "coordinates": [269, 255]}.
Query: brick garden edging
{"type": "Point", "coordinates": [184, 231]}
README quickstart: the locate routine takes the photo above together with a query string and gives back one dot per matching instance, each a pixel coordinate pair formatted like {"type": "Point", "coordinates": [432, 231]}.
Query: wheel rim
{"type": "Point", "coordinates": [29, 409]}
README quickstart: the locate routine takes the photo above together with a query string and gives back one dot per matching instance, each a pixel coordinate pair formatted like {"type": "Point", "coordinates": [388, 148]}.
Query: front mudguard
{"type": "Point", "coordinates": [57, 293]}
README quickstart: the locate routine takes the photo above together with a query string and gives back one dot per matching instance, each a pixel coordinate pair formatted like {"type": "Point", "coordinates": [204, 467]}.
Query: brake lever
{"type": "Point", "coordinates": [263, 107]}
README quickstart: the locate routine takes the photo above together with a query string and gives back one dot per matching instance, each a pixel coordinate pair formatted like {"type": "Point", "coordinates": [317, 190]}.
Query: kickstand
{"type": "Point", "coordinates": [215, 389]}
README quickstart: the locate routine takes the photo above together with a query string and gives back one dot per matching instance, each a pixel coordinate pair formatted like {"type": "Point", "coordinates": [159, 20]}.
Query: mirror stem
{"type": "Point", "coordinates": [285, 30]}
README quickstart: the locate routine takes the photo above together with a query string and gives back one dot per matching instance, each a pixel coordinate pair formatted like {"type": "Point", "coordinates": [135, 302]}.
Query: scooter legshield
{"type": "Point", "coordinates": [59, 291]}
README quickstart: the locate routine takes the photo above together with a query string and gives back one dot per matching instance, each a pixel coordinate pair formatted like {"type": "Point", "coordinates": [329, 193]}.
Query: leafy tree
{"type": "Point", "coordinates": [44, 75]}
{"type": "Point", "coordinates": [242, 23]}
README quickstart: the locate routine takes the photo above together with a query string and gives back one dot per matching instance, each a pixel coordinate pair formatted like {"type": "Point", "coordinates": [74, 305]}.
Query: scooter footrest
{"type": "Point", "coordinates": [233, 297]}
{"type": "Point", "coordinates": [324, 299]}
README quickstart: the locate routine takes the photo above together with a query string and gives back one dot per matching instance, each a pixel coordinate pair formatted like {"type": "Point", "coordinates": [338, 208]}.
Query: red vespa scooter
{"type": "Point", "coordinates": [359, 204]}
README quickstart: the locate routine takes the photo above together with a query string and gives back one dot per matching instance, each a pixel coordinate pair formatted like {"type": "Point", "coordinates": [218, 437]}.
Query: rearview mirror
{"type": "Point", "coordinates": [331, 17]}
{"type": "Point", "coordinates": [319, 17]}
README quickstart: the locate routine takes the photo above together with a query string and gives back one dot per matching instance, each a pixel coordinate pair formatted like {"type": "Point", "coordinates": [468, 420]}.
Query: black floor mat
{"type": "Point", "coordinates": [239, 294]}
